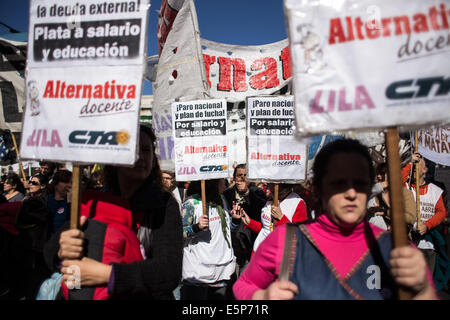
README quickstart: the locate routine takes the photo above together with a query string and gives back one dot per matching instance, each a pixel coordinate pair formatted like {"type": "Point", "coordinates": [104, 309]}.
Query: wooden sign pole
{"type": "Point", "coordinates": [275, 202]}
{"type": "Point", "coordinates": [204, 199]}
{"type": "Point", "coordinates": [76, 192]}
{"type": "Point", "coordinates": [18, 157]}
{"type": "Point", "coordinates": [275, 196]}
{"type": "Point", "coordinates": [399, 232]}
{"type": "Point", "coordinates": [416, 165]}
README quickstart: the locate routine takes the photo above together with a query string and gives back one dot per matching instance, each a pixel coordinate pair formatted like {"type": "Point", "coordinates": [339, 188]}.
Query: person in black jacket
{"type": "Point", "coordinates": [160, 234]}
{"type": "Point", "coordinates": [251, 199]}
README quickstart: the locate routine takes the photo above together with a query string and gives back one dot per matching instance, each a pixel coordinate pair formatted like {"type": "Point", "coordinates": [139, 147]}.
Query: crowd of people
{"type": "Point", "coordinates": [144, 235]}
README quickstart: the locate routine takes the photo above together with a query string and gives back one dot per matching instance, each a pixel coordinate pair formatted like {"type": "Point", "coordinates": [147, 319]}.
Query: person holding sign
{"type": "Point", "coordinates": [339, 255]}
{"type": "Point", "coordinates": [156, 218]}
{"type": "Point", "coordinates": [379, 208]}
{"type": "Point", "coordinates": [432, 209]}
{"type": "Point", "coordinates": [291, 208]}
{"type": "Point", "coordinates": [208, 260]}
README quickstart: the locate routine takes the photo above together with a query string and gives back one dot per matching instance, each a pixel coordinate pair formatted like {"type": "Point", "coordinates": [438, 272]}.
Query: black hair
{"type": "Point", "coordinates": [338, 146]}
{"type": "Point", "coordinates": [14, 180]}
{"type": "Point", "coordinates": [64, 176]}
{"type": "Point", "coordinates": [43, 180]}
{"type": "Point", "coordinates": [239, 166]}
{"type": "Point", "coordinates": [381, 169]}
{"type": "Point", "coordinates": [51, 166]}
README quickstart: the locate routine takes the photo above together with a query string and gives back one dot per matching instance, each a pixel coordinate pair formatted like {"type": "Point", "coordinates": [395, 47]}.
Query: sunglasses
{"type": "Point", "coordinates": [34, 183]}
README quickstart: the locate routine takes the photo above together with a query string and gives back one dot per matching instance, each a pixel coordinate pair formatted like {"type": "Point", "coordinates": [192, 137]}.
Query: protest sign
{"type": "Point", "coordinates": [369, 64]}
{"type": "Point", "coordinates": [84, 80]}
{"type": "Point", "coordinates": [200, 137]}
{"type": "Point", "coordinates": [434, 144]}
{"type": "Point", "coordinates": [274, 154]}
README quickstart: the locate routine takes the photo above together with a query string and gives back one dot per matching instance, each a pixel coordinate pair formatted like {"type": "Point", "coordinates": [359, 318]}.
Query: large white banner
{"type": "Point", "coordinates": [434, 144]}
{"type": "Point", "coordinates": [233, 72]}
{"type": "Point", "coordinates": [200, 136]}
{"type": "Point", "coordinates": [369, 64]}
{"type": "Point", "coordinates": [274, 154]}
{"type": "Point", "coordinates": [84, 80]}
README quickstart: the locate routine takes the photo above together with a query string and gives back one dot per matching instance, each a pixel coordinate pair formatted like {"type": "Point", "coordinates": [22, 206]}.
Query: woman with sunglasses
{"type": "Point", "coordinates": [37, 186]}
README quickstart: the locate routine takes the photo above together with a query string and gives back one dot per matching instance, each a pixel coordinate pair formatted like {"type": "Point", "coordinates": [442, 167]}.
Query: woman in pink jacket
{"type": "Point", "coordinates": [339, 255]}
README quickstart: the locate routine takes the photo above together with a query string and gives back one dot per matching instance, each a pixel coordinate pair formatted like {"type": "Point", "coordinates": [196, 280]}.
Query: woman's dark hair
{"type": "Point", "coordinates": [64, 176]}
{"type": "Point", "coordinates": [94, 180]}
{"type": "Point", "coordinates": [338, 146]}
{"type": "Point", "coordinates": [381, 169]}
{"type": "Point", "coordinates": [211, 187]}
{"type": "Point", "coordinates": [14, 180]}
{"type": "Point", "coordinates": [43, 180]}
{"type": "Point", "coordinates": [110, 176]}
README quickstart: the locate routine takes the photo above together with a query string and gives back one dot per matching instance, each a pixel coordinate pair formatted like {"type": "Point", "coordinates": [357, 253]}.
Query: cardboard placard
{"type": "Point", "coordinates": [274, 154]}
{"type": "Point", "coordinates": [200, 136]}
{"type": "Point", "coordinates": [369, 64]}
{"type": "Point", "coordinates": [84, 80]}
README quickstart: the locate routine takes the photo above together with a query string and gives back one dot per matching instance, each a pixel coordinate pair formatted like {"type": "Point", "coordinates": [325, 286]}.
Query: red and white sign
{"type": "Point", "coordinates": [274, 154]}
{"type": "Point", "coordinates": [84, 80]}
{"type": "Point", "coordinates": [237, 72]}
{"type": "Point", "coordinates": [369, 64]}
{"type": "Point", "coordinates": [200, 136]}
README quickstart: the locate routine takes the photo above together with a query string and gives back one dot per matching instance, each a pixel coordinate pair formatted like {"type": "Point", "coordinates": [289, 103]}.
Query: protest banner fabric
{"type": "Point", "coordinates": [12, 83]}
{"type": "Point", "coordinates": [368, 64]}
{"type": "Point", "coordinates": [166, 17]}
{"type": "Point", "coordinates": [180, 77]}
{"type": "Point", "coordinates": [434, 144]}
{"type": "Point", "coordinates": [237, 72]}
{"type": "Point", "coordinates": [274, 154]}
{"type": "Point", "coordinates": [200, 136]}
{"type": "Point", "coordinates": [84, 81]}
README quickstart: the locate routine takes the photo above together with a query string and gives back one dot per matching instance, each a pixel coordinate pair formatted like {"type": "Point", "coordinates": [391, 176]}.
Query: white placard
{"type": "Point", "coordinates": [83, 119]}
{"type": "Point", "coordinates": [369, 64]}
{"type": "Point", "coordinates": [87, 32]}
{"type": "Point", "coordinates": [434, 144]}
{"type": "Point", "coordinates": [84, 81]}
{"type": "Point", "coordinates": [200, 136]}
{"type": "Point", "coordinates": [274, 154]}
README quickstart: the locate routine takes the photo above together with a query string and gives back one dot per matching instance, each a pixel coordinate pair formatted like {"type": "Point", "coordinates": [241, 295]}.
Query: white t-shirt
{"type": "Point", "coordinates": [428, 203]}
{"type": "Point", "coordinates": [208, 258]}
{"type": "Point", "coordinates": [287, 206]}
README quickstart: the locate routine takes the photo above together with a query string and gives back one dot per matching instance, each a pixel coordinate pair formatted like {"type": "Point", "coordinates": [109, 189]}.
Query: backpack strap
{"type": "Point", "coordinates": [289, 251]}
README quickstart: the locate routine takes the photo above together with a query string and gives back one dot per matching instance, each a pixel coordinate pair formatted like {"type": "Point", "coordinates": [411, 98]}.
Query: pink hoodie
{"type": "Point", "coordinates": [343, 248]}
